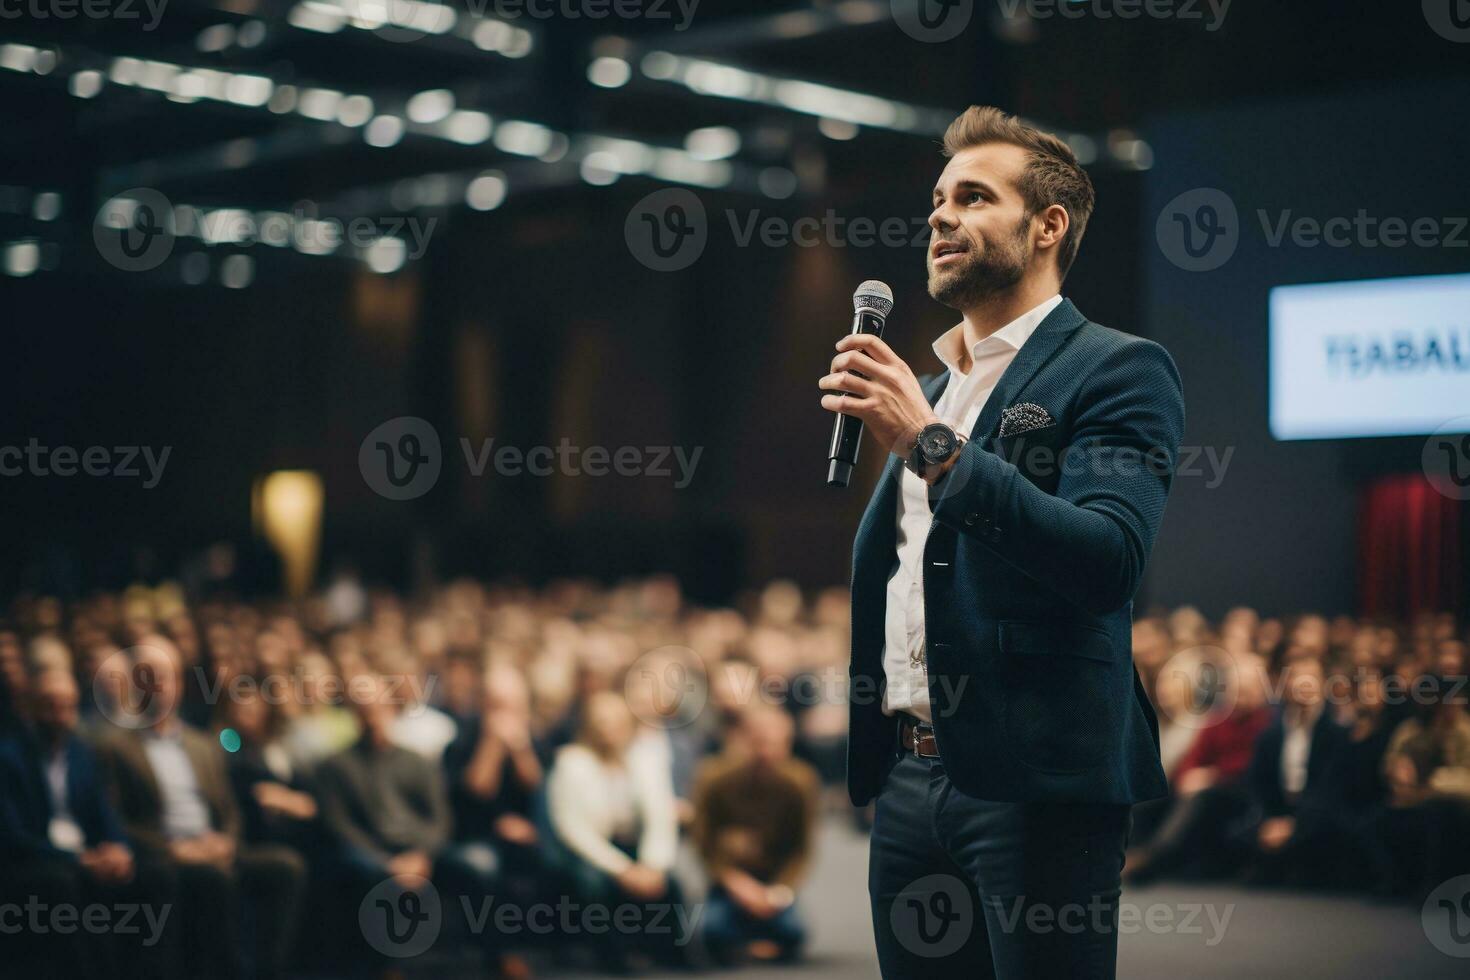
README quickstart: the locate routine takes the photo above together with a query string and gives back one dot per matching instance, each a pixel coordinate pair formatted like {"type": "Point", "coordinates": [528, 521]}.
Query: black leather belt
{"type": "Point", "coordinates": [917, 737]}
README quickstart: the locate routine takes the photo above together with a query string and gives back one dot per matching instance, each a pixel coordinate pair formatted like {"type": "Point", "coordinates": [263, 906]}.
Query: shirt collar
{"type": "Point", "coordinates": [1012, 336]}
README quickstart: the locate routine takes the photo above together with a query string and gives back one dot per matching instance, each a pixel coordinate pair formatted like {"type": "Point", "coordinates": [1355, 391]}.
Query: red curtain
{"type": "Point", "coordinates": [1408, 547]}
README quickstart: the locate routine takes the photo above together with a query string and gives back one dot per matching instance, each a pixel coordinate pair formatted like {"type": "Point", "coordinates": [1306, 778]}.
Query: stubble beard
{"type": "Point", "coordinates": [985, 271]}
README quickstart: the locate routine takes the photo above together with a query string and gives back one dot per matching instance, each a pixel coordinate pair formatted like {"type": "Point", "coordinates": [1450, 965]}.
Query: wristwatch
{"type": "Point", "coordinates": [936, 443]}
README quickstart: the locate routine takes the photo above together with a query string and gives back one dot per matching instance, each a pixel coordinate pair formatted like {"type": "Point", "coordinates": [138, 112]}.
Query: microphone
{"type": "Point", "coordinates": [871, 305]}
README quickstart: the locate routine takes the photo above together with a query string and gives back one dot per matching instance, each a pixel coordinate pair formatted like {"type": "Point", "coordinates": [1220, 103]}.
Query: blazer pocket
{"type": "Point", "coordinates": [1058, 709]}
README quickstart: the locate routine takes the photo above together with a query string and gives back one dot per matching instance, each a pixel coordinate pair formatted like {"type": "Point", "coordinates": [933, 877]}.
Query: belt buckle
{"type": "Point", "coordinates": [917, 729]}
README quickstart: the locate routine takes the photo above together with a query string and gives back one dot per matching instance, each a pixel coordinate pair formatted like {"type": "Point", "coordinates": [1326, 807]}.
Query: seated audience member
{"type": "Point", "coordinates": [1207, 783]}
{"type": "Point", "coordinates": [272, 789]}
{"type": "Point", "coordinates": [1290, 775]}
{"type": "Point", "coordinates": [613, 815]}
{"type": "Point", "coordinates": [14, 680]}
{"type": "Point", "coordinates": [1420, 837]}
{"type": "Point", "coordinates": [173, 791]}
{"type": "Point", "coordinates": [755, 818]}
{"type": "Point", "coordinates": [1357, 777]}
{"type": "Point", "coordinates": [387, 809]}
{"type": "Point", "coordinates": [661, 691]}
{"type": "Point", "coordinates": [419, 726]}
{"type": "Point", "coordinates": [494, 773]}
{"type": "Point", "coordinates": [63, 843]}
{"type": "Point", "coordinates": [321, 727]}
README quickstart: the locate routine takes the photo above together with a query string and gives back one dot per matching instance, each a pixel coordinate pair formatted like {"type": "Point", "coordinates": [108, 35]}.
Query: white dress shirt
{"type": "Point", "coordinates": [960, 405]}
{"type": "Point", "coordinates": [1296, 747]}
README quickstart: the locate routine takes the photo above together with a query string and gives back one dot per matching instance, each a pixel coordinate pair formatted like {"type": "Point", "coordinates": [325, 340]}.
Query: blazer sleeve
{"type": "Point", "coordinates": [1089, 542]}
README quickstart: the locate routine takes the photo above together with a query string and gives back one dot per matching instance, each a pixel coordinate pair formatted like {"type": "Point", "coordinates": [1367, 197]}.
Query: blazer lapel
{"type": "Point", "coordinates": [1035, 352]}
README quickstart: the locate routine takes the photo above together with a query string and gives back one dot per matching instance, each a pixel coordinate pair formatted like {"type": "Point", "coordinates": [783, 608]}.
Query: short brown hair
{"type": "Point", "coordinates": [1052, 174]}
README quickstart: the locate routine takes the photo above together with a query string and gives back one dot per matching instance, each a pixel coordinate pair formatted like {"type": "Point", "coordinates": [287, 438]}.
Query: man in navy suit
{"type": "Point", "coordinates": [64, 846]}
{"type": "Point", "coordinates": [995, 713]}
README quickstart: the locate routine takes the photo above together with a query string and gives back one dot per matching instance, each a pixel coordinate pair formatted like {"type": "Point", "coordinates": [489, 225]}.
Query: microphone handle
{"type": "Point", "coordinates": [847, 432]}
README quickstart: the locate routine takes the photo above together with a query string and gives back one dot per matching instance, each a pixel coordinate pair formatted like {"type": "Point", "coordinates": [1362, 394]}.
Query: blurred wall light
{"type": "Point", "coordinates": [287, 506]}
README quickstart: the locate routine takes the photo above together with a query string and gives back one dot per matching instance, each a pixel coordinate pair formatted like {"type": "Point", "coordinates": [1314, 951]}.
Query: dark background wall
{"type": "Point", "coordinates": [1280, 531]}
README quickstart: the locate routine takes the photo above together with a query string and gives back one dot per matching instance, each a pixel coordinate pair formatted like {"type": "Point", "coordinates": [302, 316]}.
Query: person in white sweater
{"type": "Point", "coordinates": [612, 811]}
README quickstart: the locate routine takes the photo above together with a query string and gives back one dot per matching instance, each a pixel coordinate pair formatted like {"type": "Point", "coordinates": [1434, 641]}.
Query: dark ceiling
{"type": "Point", "coordinates": [1093, 73]}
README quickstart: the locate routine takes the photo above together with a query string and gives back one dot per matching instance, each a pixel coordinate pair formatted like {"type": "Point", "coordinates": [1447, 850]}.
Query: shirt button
{"type": "Point", "coordinates": [970, 519]}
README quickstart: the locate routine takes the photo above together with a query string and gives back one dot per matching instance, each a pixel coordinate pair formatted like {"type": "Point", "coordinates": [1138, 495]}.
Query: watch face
{"type": "Point", "coordinates": [937, 442]}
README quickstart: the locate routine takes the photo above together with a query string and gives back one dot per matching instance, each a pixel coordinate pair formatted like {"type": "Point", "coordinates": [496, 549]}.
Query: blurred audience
{"type": "Point", "coordinates": [616, 747]}
{"type": "Point", "coordinates": [755, 821]}
{"type": "Point", "coordinates": [173, 791]}
{"type": "Point", "coordinates": [612, 810]}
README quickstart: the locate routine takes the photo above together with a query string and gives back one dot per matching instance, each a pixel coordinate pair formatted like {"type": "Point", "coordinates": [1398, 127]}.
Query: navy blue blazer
{"type": "Point", "coordinates": [1037, 546]}
{"type": "Point", "coordinates": [25, 804]}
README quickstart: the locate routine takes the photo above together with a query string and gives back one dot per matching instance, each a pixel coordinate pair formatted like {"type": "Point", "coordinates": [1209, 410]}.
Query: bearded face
{"type": "Point", "coordinates": [967, 267]}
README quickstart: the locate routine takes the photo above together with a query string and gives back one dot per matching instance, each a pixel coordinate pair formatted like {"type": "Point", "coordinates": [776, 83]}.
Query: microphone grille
{"type": "Point", "coordinates": [873, 295]}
